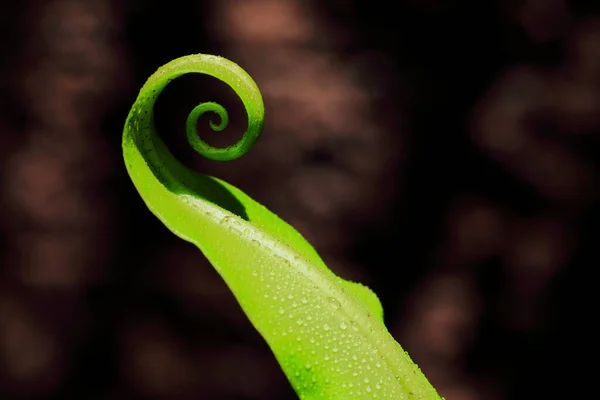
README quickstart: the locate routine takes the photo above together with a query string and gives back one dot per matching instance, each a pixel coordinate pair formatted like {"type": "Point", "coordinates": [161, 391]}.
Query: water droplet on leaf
{"type": "Point", "coordinates": [333, 302]}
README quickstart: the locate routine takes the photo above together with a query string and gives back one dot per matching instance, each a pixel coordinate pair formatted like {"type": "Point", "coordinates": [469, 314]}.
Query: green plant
{"type": "Point", "coordinates": [327, 334]}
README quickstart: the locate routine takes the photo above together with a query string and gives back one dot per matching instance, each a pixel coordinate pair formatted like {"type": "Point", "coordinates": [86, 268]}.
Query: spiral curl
{"type": "Point", "coordinates": [139, 127]}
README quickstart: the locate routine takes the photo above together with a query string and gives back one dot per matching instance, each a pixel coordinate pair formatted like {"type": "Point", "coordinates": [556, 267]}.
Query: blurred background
{"type": "Point", "coordinates": [444, 152]}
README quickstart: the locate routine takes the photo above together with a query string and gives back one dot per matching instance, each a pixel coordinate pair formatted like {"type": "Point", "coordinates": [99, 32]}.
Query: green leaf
{"type": "Point", "coordinates": [327, 334]}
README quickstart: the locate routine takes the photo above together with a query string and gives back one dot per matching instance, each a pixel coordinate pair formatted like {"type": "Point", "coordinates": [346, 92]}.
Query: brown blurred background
{"type": "Point", "coordinates": [444, 152]}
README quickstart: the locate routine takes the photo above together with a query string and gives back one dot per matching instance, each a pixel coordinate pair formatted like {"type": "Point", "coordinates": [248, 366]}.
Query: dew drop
{"type": "Point", "coordinates": [281, 310]}
{"type": "Point", "coordinates": [354, 325]}
{"type": "Point", "coordinates": [299, 321]}
{"type": "Point", "coordinates": [333, 302]}
{"type": "Point", "coordinates": [326, 327]}
{"type": "Point", "coordinates": [343, 326]}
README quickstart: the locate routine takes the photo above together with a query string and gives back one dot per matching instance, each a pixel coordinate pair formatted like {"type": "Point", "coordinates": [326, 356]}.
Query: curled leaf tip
{"type": "Point", "coordinates": [220, 68]}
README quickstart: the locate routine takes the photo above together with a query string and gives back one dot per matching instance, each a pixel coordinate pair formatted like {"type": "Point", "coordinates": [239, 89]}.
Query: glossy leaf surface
{"type": "Point", "coordinates": [327, 334]}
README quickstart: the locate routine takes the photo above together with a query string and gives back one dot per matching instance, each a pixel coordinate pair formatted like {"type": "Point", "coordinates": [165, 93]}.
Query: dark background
{"type": "Point", "coordinates": [443, 152]}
